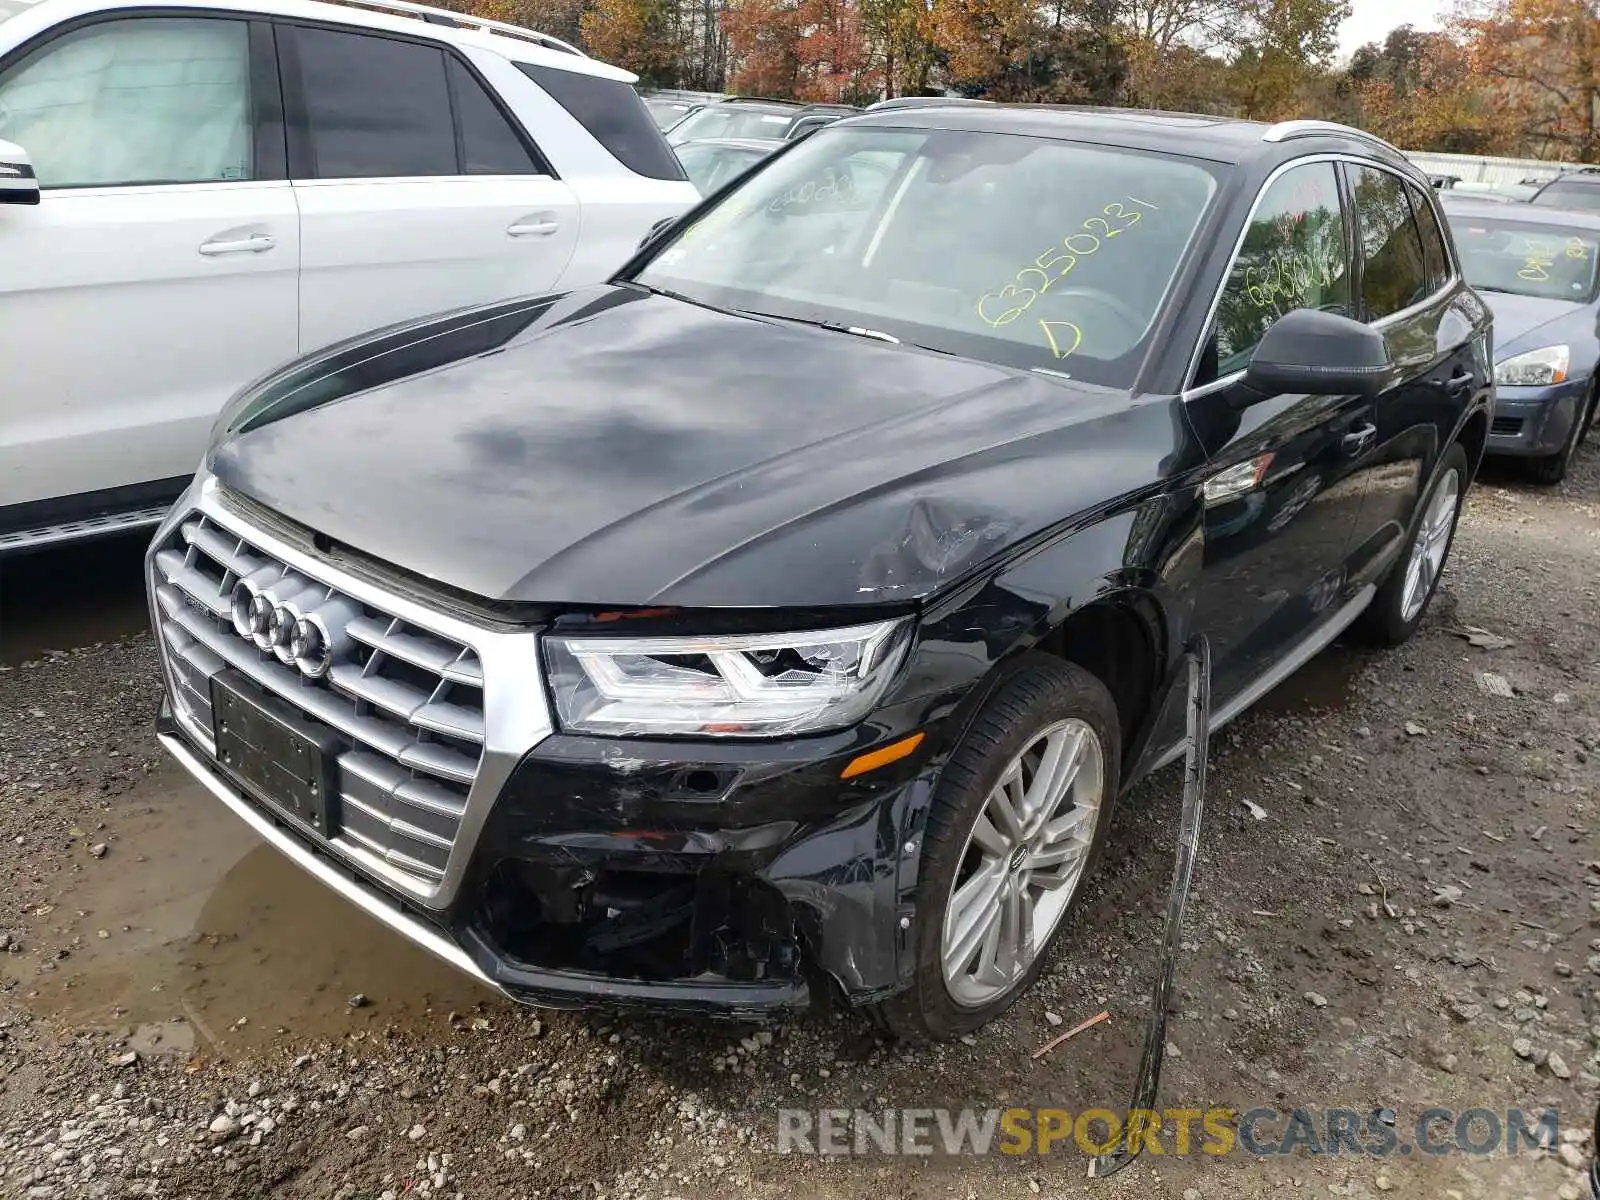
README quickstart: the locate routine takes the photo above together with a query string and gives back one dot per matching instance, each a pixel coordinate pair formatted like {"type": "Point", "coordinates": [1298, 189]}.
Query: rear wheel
{"type": "Point", "coordinates": [1016, 822]}
{"type": "Point", "coordinates": [1399, 606]}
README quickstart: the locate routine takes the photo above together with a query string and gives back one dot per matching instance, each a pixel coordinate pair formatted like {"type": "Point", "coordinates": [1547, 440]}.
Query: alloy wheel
{"type": "Point", "coordinates": [1022, 863]}
{"type": "Point", "coordinates": [1431, 543]}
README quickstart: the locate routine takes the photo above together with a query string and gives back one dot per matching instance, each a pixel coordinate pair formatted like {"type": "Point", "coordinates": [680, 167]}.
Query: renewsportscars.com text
{"type": "Point", "coordinates": [1370, 1133]}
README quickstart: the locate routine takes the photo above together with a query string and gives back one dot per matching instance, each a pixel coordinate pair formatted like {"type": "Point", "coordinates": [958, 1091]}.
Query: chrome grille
{"type": "Point", "coordinates": [407, 702]}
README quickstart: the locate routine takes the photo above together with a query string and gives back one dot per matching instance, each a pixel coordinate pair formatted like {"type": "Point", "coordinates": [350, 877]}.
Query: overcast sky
{"type": "Point", "coordinates": [1371, 20]}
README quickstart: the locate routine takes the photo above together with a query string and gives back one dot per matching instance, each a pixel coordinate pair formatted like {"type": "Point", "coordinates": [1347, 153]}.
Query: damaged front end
{"type": "Point", "coordinates": [750, 880]}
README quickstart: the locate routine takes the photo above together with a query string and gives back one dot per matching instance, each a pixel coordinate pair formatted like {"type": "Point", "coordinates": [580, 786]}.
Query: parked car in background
{"type": "Point", "coordinates": [780, 622]}
{"type": "Point", "coordinates": [1503, 192]}
{"type": "Point", "coordinates": [1536, 267]}
{"type": "Point", "coordinates": [1575, 190]}
{"type": "Point", "coordinates": [667, 113]}
{"type": "Point", "coordinates": [923, 102]}
{"type": "Point", "coordinates": [746, 117]}
{"type": "Point", "coordinates": [670, 105]}
{"type": "Point", "coordinates": [169, 234]}
{"type": "Point", "coordinates": [714, 161]}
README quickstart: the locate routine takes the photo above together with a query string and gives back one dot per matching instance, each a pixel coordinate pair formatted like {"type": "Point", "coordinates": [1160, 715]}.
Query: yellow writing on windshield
{"type": "Point", "coordinates": [1007, 303]}
{"type": "Point", "coordinates": [1538, 258]}
{"type": "Point", "coordinates": [1577, 249]}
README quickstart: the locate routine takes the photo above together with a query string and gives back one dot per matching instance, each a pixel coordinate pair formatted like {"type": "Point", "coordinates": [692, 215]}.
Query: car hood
{"type": "Point", "coordinates": [1529, 322]}
{"type": "Point", "coordinates": [614, 447]}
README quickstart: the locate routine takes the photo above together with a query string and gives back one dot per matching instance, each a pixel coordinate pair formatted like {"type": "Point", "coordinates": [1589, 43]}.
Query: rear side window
{"type": "Point", "coordinates": [1435, 259]}
{"type": "Point", "coordinates": [489, 145]}
{"type": "Point", "coordinates": [1394, 277]}
{"type": "Point", "coordinates": [614, 116]}
{"type": "Point", "coordinates": [374, 106]}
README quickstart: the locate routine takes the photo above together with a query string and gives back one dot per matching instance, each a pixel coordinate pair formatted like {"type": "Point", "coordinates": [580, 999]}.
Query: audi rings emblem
{"type": "Point", "coordinates": [311, 648]}
{"type": "Point", "coordinates": [291, 636]}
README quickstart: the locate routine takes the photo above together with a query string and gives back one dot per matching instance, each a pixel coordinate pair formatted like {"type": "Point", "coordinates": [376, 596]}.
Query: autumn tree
{"type": "Point", "coordinates": [640, 35]}
{"type": "Point", "coordinates": [1282, 47]}
{"type": "Point", "coordinates": [1544, 57]}
{"type": "Point", "coordinates": [1418, 90]}
{"type": "Point", "coordinates": [1014, 50]}
{"type": "Point", "coordinates": [763, 46]}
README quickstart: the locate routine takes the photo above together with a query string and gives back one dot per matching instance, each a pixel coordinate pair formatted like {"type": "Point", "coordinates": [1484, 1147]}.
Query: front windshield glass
{"type": "Point", "coordinates": [666, 113]}
{"type": "Point", "coordinates": [732, 121]}
{"type": "Point", "coordinates": [1555, 262]}
{"type": "Point", "coordinates": [1020, 250]}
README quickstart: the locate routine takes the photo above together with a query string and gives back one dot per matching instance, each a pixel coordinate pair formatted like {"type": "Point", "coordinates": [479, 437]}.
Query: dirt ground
{"type": "Point", "coordinates": [1413, 920]}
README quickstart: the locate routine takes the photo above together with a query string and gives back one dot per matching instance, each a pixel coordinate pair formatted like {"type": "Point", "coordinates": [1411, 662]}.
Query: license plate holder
{"type": "Point", "coordinates": [274, 753]}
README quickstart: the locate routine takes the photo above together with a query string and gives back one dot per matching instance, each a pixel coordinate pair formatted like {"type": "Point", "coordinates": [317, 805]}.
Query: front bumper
{"type": "Point", "coordinates": [786, 889]}
{"type": "Point", "coordinates": [1535, 421]}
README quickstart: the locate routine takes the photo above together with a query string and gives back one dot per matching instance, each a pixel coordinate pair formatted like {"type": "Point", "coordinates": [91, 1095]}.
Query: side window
{"type": "Point", "coordinates": [374, 106]}
{"type": "Point", "coordinates": [614, 116]}
{"type": "Point", "coordinates": [1393, 275]}
{"type": "Point", "coordinates": [489, 145]}
{"type": "Point", "coordinates": [1294, 255]}
{"type": "Point", "coordinates": [142, 100]}
{"type": "Point", "coordinates": [1435, 259]}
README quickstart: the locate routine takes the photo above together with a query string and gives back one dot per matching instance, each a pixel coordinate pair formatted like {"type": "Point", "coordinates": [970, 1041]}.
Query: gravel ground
{"type": "Point", "coordinates": [1409, 916]}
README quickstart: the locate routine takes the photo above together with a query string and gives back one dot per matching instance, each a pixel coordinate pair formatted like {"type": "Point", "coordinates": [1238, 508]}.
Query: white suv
{"type": "Point", "coordinates": [222, 185]}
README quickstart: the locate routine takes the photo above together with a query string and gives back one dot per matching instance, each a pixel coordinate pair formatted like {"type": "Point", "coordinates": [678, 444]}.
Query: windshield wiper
{"type": "Point", "coordinates": [1489, 287]}
{"type": "Point", "coordinates": [819, 323]}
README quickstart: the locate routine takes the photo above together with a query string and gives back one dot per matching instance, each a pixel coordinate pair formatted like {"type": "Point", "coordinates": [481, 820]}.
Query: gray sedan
{"type": "Point", "coordinates": [1537, 269]}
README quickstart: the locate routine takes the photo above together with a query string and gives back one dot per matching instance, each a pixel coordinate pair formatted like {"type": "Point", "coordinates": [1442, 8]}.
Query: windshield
{"type": "Point", "coordinates": [732, 121]}
{"type": "Point", "coordinates": [1020, 250]}
{"type": "Point", "coordinates": [709, 167]}
{"type": "Point", "coordinates": [1551, 261]}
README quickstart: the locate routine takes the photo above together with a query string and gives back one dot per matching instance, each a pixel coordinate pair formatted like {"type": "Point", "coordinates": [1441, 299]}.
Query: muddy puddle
{"type": "Point", "coordinates": [193, 935]}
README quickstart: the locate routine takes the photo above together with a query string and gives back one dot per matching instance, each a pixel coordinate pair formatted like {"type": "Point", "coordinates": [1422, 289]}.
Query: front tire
{"type": "Point", "coordinates": [1017, 821]}
{"type": "Point", "coordinates": [1402, 601]}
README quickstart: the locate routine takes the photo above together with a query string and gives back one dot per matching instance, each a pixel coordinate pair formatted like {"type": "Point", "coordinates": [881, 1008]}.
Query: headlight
{"type": "Point", "coordinates": [1536, 368]}
{"type": "Point", "coordinates": [748, 685]}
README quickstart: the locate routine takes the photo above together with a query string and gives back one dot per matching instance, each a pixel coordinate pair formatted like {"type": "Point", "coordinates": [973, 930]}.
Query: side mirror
{"type": "Point", "coordinates": [656, 230]}
{"type": "Point", "coordinates": [18, 185]}
{"type": "Point", "coordinates": [1321, 353]}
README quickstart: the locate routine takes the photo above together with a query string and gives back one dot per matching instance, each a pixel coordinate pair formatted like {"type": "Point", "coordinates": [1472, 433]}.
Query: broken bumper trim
{"type": "Point", "coordinates": [373, 903]}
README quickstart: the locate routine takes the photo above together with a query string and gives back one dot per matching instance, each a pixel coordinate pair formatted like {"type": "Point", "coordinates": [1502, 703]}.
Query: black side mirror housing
{"type": "Point", "coordinates": [1311, 351]}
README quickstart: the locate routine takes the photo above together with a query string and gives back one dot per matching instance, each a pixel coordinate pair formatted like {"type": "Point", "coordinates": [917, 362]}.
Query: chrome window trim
{"type": "Point", "coordinates": [516, 716]}
{"type": "Point", "coordinates": [1190, 391]}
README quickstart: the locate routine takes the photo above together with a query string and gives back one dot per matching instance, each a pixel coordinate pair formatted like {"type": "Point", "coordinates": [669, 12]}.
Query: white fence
{"type": "Point", "coordinates": [1474, 168]}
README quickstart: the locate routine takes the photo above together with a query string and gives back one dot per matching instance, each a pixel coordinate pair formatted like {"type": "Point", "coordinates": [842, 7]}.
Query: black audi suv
{"type": "Point", "coordinates": [778, 623]}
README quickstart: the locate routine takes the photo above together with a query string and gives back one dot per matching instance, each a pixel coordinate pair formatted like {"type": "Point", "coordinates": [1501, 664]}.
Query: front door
{"type": "Point", "coordinates": [159, 272]}
{"type": "Point", "coordinates": [1279, 502]}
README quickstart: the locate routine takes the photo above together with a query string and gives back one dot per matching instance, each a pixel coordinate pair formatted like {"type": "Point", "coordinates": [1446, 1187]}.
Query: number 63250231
{"type": "Point", "coordinates": [1005, 305]}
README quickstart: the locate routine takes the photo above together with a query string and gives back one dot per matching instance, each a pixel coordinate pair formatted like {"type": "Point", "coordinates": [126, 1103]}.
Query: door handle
{"type": "Point", "coordinates": [245, 245]}
{"type": "Point", "coordinates": [1461, 384]}
{"type": "Point", "coordinates": [533, 228]}
{"type": "Point", "coordinates": [1359, 440]}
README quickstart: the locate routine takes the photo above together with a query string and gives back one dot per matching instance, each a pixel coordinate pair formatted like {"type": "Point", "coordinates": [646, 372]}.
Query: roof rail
{"type": "Point", "coordinates": [445, 16]}
{"type": "Point", "coordinates": [1283, 131]}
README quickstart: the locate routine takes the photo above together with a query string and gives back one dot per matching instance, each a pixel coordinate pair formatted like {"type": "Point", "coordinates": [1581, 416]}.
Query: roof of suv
{"type": "Point", "coordinates": [1523, 214]}
{"type": "Point", "coordinates": [1222, 139]}
{"type": "Point", "coordinates": [395, 16]}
